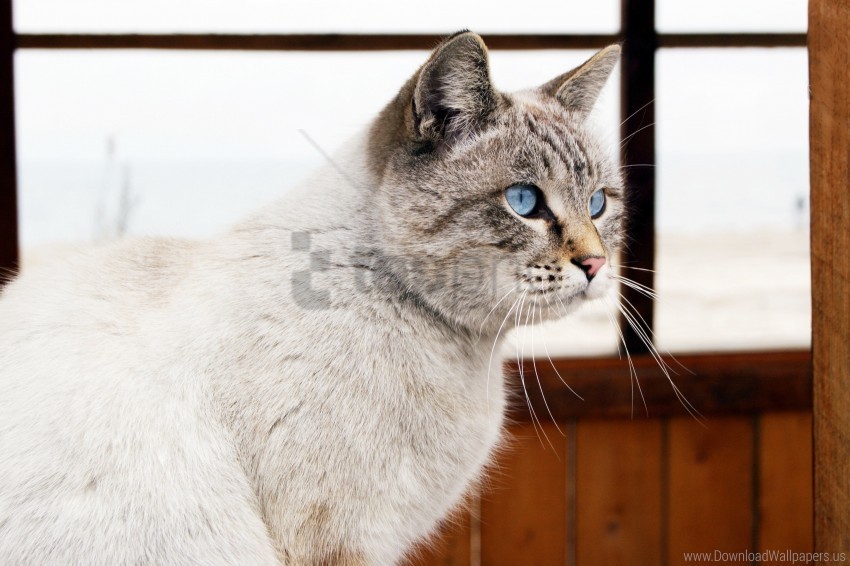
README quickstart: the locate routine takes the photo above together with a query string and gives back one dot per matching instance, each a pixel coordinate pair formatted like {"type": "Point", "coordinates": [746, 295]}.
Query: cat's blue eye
{"type": "Point", "coordinates": [597, 204]}
{"type": "Point", "coordinates": [524, 199]}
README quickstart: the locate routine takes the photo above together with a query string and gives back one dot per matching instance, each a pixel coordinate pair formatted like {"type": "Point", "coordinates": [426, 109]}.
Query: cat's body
{"type": "Point", "coordinates": [167, 415]}
{"type": "Point", "coordinates": [314, 387]}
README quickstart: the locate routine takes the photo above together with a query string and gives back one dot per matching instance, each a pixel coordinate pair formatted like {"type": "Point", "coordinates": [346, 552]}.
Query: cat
{"type": "Point", "coordinates": [317, 385]}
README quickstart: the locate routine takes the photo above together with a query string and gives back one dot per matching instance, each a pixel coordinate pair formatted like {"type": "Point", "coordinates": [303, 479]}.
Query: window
{"type": "Point", "coordinates": [733, 178]}
{"type": "Point", "coordinates": [141, 117]}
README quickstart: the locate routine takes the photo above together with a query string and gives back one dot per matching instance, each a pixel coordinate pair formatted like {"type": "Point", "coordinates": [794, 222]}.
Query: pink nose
{"type": "Point", "coordinates": [590, 265]}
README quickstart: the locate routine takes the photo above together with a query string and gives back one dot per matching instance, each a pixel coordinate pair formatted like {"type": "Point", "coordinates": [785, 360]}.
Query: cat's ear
{"type": "Point", "coordinates": [453, 96]}
{"type": "Point", "coordinates": [578, 89]}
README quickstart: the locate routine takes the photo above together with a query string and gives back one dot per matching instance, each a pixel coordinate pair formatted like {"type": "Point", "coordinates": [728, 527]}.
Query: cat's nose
{"type": "Point", "coordinates": [590, 265]}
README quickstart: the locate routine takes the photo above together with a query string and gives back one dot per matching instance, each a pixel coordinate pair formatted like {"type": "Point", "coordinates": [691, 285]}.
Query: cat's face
{"type": "Point", "coordinates": [489, 199]}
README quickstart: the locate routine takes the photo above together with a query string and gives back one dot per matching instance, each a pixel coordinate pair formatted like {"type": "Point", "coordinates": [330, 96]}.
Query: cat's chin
{"type": "Point", "coordinates": [558, 306]}
{"type": "Point", "coordinates": [554, 304]}
{"type": "Point", "coordinates": [598, 289]}
{"type": "Point", "coordinates": [566, 305]}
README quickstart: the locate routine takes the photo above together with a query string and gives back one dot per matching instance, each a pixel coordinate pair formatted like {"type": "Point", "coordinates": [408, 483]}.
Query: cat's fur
{"type": "Point", "coordinates": [316, 386]}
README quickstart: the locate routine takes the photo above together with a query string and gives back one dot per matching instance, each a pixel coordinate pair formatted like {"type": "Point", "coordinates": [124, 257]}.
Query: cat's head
{"type": "Point", "coordinates": [486, 196]}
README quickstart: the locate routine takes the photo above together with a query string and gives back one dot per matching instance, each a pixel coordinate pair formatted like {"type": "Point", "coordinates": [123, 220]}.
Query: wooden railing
{"type": "Point", "coordinates": [714, 383]}
{"type": "Point", "coordinates": [598, 487]}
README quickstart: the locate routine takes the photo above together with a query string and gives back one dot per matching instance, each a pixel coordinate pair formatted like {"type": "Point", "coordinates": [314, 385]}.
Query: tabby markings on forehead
{"type": "Point", "coordinates": [563, 144]}
{"type": "Point", "coordinates": [581, 163]}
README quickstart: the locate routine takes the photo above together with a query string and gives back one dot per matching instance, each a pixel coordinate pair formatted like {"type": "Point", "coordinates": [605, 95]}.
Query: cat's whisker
{"type": "Point", "coordinates": [632, 370]}
{"type": "Point", "coordinates": [536, 373]}
{"type": "Point", "coordinates": [661, 363]}
{"type": "Point", "coordinates": [621, 276]}
{"type": "Point", "coordinates": [562, 309]}
{"type": "Point", "coordinates": [520, 360]}
{"type": "Point", "coordinates": [641, 330]}
{"type": "Point", "coordinates": [643, 292]}
{"type": "Point", "coordinates": [633, 134]}
{"type": "Point", "coordinates": [505, 296]}
{"type": "Point", "coordinates": [644, 327]}
{"type": "Point", "coordinates": [622, 266]}
{"type": "Point", "coordinates": [633, 114]}
{"type": "Point", "coordinates": [493, 350]}
{"type": "Point", "coordinates": [637, 285]}
{"type": "Point", "coordinates": [652, 335]}
{"type": "Point", "coordinates": [611, 136]}
{"type": "Point", "coordinates": [534, 420]}
{"type": "Point", "coordinates": [642, 289]}
{"type": "Point", "coordinates": [546, 348]}
{"type": "Point", "coordinates": [651, 348]}
{"type": "Point", "coordinates": [633, 377]}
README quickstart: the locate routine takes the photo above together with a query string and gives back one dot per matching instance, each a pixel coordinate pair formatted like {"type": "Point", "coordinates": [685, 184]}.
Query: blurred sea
{"type": "Point", "coordinates": [80, 202]}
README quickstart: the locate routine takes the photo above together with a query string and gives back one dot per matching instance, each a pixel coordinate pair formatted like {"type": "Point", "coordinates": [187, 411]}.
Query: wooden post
{"type": "Point", "coordinates": [8, 176]}
{"type": "Point", "coordinates": [829, 78]}
{"type": "Point", "coordinates": [637, 100]}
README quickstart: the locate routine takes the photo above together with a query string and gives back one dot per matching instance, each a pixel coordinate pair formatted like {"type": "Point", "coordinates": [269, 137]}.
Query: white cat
{"type": "Point", "coordinates": [318, 385]}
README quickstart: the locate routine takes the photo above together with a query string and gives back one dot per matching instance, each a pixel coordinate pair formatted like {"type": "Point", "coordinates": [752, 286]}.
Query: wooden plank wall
{"type": "Point", "coordinates": [829, 130]}
{"type": "Point", "coordinates": [642, 491]}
